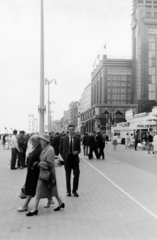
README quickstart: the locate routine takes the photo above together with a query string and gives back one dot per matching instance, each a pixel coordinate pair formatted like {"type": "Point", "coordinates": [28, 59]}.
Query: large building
{"type": "Point", "coordinates": [73, 114]}
{"type": "Point", "coordinates": [111, 94]}
{"type": "Point", "coordinates": [144, 40]}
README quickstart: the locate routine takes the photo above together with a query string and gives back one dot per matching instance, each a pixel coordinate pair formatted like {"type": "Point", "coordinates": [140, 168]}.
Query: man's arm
{"type": "Point", "coordinates": [61, 147]}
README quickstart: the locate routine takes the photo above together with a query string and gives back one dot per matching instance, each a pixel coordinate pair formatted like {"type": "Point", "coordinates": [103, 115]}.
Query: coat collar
{"type": "Point", "coordinates": [45, 149]}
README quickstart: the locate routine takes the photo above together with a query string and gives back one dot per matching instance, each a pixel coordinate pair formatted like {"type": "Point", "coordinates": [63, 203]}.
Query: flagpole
{"type": "Point", "coordinates": [42, 106]}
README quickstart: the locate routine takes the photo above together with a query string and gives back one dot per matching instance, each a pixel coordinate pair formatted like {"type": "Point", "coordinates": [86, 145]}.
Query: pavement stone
{"type": "Point", "coordinates": [102, 210]}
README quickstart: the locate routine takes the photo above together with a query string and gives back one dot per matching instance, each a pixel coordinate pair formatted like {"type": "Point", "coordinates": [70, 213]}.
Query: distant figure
{"type": "Point", "coordinates": [85, 143]}
{"type": "Point", "coordinates": [150, 140]}
{"type": "Point", "coordinates": [154, 143]}
{"type": "Point", "coordinates": [136, 140]}
{"type": "Point", "coordinates": [22, 145]}
{"type": "Point", "coordinates": [127, 141]}
{"type": "Point", "coordinates": [101, 145]}
{"type": "Point", "coordinates": [114, 141]}
{"type": "Point", "coordinates": [56, 143]}
{"type": "Point", "coordinates": [14, 150]}
{"type": "Point", "coordinates": [132, 141]}
{"type": "Point", "coordinates": [93, 146]}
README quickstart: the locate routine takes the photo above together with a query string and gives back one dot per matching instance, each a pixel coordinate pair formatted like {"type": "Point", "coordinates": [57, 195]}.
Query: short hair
{"type": "Point", "coordinates": [71, 125]}
{"type": "Point", "coordinates": [15, 132]}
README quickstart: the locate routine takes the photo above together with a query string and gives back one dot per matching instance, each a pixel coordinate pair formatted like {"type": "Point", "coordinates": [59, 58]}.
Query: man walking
{"type": "Point", "coordinates": [101, 144]}
{"type": "Point", "coordinates": [69, 149]}
{"type": "Point", "coordinates": [14, 150]}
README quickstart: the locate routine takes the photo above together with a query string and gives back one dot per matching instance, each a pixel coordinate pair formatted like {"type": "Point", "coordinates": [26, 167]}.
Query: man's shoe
{"type": "Point", "coordinates": [68, 194]}
{"type": "Point", "coordinates": [14, 168]}
{"type": "Point", "coordinates": [75, 194]}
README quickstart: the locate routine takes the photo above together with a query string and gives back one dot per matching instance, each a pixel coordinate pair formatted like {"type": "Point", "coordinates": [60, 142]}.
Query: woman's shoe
{"type": "Point", "coordinates": [20, 209]}
{"type": "Point", "coordinates": [59, 207]}
{"type": "Point", "coordinates": [32, 213]}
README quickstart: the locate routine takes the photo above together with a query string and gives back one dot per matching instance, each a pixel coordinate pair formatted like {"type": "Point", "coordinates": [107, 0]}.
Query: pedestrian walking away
{"type": "Point", "coordinates": [69, 150]}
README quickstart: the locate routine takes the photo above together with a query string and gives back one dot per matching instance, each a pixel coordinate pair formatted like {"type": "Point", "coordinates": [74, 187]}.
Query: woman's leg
{"type": "Point", "coordinates": [37, 200]}
{"type": "Point", "coordinates": [28, 198]}
{"type": "Point", "coordinates": [58, 197]}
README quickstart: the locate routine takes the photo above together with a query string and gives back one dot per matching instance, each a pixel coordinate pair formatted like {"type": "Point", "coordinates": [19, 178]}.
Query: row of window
{"type": "Point", "coordinates": [117, 102]}
{"type": "Point", "coordinates": [118, 90]}
{"type": "Point", "coordinates": [118, 97]}
{"type": "Point", "coordinates": [149, 14]}
{"type": "Point", "coordinates": [118, 84]}
{"type": "Point", "coordinates": [119, 77]}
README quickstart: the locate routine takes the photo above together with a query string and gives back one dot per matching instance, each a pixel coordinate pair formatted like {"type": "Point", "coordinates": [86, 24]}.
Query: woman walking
{"type": "Point", "coordinates": [46, 189]}
{"type": "Point", "coordinates": [32, 171]}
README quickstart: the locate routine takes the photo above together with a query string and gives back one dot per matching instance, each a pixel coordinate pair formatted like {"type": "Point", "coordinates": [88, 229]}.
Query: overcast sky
{"type": "Point", "coordinates": [75, 33]}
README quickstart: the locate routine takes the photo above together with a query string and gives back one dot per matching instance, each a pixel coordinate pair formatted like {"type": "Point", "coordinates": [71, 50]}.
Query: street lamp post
{"type": "Point", "coordinates": [48, 82]}
{"type": "Point", "coordinates": [41, 106]}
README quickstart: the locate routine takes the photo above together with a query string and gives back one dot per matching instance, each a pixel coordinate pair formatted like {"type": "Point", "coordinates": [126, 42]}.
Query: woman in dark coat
{"type": "Point", "coordinates": [32, 172]}
{"type": "Point", "coordinates": [46, 189]}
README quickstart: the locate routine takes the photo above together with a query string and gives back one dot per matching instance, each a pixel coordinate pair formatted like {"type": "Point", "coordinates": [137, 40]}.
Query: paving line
{"type": "Point", "coordinates": [121, 190]}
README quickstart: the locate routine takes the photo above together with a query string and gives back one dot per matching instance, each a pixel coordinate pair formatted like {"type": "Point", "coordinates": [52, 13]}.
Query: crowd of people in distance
{"type": "Point", "coordinates": [146, 141]}
{"type": "Point", "coordinates": [94, 143]}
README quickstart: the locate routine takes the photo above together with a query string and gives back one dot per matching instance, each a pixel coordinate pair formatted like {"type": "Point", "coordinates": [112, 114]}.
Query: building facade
{"type": "Point", "coordinates": [73, 114]}
{"type": "Point", "coordinates": [144, 40]}
{"type": "Point", "coordinates": [111, 95]}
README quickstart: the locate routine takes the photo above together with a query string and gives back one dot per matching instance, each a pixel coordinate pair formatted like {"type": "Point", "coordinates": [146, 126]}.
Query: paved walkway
{"type": "Point", "coordinates": [118, 200]}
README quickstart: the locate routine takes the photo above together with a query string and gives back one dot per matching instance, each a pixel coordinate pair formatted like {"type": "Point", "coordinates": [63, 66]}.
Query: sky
{"type": "Point", "coordinates": [75, 32]}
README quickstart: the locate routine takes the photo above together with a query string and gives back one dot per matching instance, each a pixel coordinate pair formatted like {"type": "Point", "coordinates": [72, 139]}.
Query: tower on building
{"type": "Point", "coordinates": [144, 39]}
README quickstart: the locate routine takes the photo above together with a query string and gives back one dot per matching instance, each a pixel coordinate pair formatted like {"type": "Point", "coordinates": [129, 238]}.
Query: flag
{"type": "Point", "coordinates": [5, 128]}
{"type": "Point", "coordinates": [98, 56]}
{"type": "Point", "coordinates": [105, 46]}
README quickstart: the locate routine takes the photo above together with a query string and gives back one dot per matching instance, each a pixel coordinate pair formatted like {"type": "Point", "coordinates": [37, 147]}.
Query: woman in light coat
{"type": "Point", "coordinates": [46, 189]}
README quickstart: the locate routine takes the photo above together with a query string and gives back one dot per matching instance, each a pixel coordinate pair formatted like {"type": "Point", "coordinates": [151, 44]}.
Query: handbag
{"type": "Point", "coordinates": [44, 175]}
{"type": "Point", "coordinates": [22, 193]}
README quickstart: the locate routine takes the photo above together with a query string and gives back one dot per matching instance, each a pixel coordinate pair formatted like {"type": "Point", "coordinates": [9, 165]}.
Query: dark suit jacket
{"type": "Point", "coordinates": [64, 147]}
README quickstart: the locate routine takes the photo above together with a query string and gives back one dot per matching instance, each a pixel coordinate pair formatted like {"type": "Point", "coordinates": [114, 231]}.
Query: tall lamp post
{"type": "Point", "coordinates": [41, 106]}
{"type": "Point", "coordinates": [48, 82]}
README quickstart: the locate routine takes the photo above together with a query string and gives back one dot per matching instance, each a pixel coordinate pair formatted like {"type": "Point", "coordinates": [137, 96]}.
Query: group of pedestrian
{"type": "Point", "coordinates": [18, 149]}
{"type": "Point", "coordinates": [94, 143]}
{"type": "Point", "coordinates": [41, 176]}
{"type": "Point", "coordinates": [147, 140]}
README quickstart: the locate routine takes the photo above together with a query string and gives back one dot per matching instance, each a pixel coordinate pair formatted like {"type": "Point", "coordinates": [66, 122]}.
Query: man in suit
{"type": "Point", "coordinates": [101, 144]}
{"type": "Point", "coordinates": [69, 149]}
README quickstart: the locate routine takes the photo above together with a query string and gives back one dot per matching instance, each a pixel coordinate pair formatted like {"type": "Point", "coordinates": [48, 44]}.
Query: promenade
{"type": "Point", "coordinates": [117, 200]}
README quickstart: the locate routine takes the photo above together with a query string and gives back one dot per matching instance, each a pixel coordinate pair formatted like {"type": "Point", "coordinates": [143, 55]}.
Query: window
{"type": "Point", "coordinates": [155, 14]}
{"type": "Point", "coordinates": [148, 6]}
{"type": "Point", "coordinates": [151, 54]}
{"type": "Point", "coordinates": [151, 62]}
{"type": "Point", "coordinates": [151, 46]}
{"type": "Point", "coordinates": [151, 71]}
{"type": "Point", "coordinates": [152, 38]}
{"type": "Point", "coordinates": [148, 14]}
{"type": "Point", "coordinates": [149, 2]}
{"type": "Point", "coordinates": [140, 1]}
{"type": "Point", "coordinates": [152, 96]}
